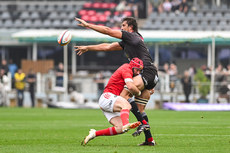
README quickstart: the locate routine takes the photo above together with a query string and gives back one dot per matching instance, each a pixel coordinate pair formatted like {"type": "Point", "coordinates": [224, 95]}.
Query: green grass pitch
{"type": "Point", "coordinates": [25, 130]}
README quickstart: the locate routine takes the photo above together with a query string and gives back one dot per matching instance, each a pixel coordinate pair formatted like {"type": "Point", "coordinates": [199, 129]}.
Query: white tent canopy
{"type": "Point", "coordinates": [148, 35]}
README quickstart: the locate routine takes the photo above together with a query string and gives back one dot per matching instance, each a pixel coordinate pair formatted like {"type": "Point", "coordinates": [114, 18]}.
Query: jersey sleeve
{"type": "Point", "coordinates": [121, 43]}
{"type": "Point", "coordinates": [130, 38]}
{"type": "Point", "coordinates": [127, 73]}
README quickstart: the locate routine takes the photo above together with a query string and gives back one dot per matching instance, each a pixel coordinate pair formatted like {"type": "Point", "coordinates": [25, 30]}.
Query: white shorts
{"type": "Point", "coordinates": [106, 103]}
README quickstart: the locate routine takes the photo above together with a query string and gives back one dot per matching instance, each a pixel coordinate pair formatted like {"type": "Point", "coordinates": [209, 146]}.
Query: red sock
{"type": "Point", "coordinates": [107, 132]}
{"type": "Point", "coordinates": [150, 139]}
{"type": "Point", "coordinates": [144, 122]}
{"type": "Point", "coordinates": [125, 116]}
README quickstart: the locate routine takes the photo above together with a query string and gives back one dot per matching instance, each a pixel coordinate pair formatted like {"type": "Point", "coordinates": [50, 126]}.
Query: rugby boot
{"type": "Point", "coordinates": [92, 135]}
{"type": "Point", "coordinates": [129, 126]}
{"type": "Point", "coordinates": [141, 128]}
{"type": "Point", "coordinates": [152, 143]}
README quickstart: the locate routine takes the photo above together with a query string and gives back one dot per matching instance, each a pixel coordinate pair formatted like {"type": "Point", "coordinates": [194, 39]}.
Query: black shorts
{"type": "Point", "coordinates": [149, 77]}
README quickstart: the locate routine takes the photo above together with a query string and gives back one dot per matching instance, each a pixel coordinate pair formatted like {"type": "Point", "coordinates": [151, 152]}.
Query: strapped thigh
{"type": "Point", "coordinates": [141, 101]}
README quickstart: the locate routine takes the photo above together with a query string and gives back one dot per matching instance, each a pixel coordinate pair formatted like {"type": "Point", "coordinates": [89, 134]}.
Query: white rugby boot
{"type": "Point", "coordinates": [92, 135]}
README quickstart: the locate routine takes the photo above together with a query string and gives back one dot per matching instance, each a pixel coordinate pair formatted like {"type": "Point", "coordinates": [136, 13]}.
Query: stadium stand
{"type": "Point", "coordinates": [97, 12]}
{"type": "Point", "coordinates": [60, 15]}
{"type": "Point", "coordinates": [202, 18]}
{"type": "Point", "coordinates": [38, 14]}
{"type": "Point", "coordinates": [50, 14]}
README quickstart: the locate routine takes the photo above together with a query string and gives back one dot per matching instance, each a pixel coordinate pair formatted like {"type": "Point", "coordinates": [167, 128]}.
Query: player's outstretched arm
{"type": "Point", "coordinates": [100, 47]}
{"type": "Point", "coordinates": [102, 29]}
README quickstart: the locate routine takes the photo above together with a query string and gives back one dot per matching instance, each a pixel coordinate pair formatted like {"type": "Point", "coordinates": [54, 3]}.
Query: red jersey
{"type": "Point", "coordinates": [117, 80]}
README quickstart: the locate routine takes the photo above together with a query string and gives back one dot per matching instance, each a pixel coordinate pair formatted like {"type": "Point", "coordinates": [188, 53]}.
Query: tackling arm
{"type": "Point", "coordinates": [133, 89]}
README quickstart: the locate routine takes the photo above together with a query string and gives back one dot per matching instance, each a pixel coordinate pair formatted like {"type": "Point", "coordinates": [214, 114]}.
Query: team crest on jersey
{"type": "Point", "coordinates": [156, 79]}
{"type": "Point", "coordinates": [110, 103]}
{"type": "Point", "coordinates": [145, 81]}
{"type": "Point", "coordinates": [107, 96]}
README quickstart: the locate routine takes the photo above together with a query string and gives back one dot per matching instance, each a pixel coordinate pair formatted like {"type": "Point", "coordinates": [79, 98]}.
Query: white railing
{"type": "Point", "coordinates": [47, 90]}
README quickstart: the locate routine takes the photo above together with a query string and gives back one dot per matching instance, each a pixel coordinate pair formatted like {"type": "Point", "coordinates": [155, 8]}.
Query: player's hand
{"type": "Point", "coordinates": [151, 91]}
{"type": "Point", "coordinates": [80, 49]}
{"type": "Point", "coordinates": [82, 22]}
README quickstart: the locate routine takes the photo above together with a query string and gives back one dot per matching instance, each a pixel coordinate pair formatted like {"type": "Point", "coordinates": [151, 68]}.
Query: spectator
{"type": "Point", "coordinates": [160, 7]}
{"type": "Point", "coordinates": [206, 70]}
{"type": "Point", "coordinates": [132, 5]}
{"type": "Point", "coordinates": [167, 6]}
{"type": "Point", "coordinates": [172, 75]}
{"type": "Point", "coordinates": [121, 6]}
{"type": "Point", "coordinates": [3, 77]}
{"type": "Point", "coordinates": [175, 5]}
{"type": "Point", "coordinates": [166, 68]}
{"type": "Point", "coordinates": [20, 86]}
{"type": "Point", "coordinates": [31, 79]}
{"type": "Point", "coordinates": [187, 85]}
{"type": "Point", "coordinates": [184, 6]}
{"type": "Point", "coordinates": [12, 69]}
{"type": "Point", "coordinates": [192, 70]}
{"type": "Point", "coordinates": [153, 5]}
{"type": "Point", "coordinates": [227, 71]}
{"type": "Point", "coordinates": [3, 82]}
{"type": "Point", "coordinates": [219, 71]}
{"type": "Point", "coordinates": [60, 75]}
{"type": "Point", "coordinates": [4, 66]}
{"type": "Point", "coordinates": [224, 90]}
{"type": "Point", "coordinates": [116, 19]}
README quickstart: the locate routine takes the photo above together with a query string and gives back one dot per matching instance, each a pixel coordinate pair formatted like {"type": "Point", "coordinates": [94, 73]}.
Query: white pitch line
{"type": "Point", "coordinates": [195, 127]}
{"type": "Point", "coordinates": [193, 135]}
{"type": "Point", "coordinates": [184, 135]}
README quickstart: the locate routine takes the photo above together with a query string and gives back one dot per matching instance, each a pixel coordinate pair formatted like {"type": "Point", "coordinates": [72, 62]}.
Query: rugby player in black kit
{"type": "Point", "coordinates": [132, 44]}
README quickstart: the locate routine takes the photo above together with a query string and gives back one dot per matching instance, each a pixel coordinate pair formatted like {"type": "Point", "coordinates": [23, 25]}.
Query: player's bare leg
{"type": "Point", "coordinates": [118, 128]}
{"type": "Point", "coordinates": [124, 107]}
{"type": "Point", "coordinates": [120, 123]}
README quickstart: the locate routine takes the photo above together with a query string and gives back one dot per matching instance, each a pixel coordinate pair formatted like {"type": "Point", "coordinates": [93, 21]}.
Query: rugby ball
{"type": "Point", "coordinates": [64, 38]}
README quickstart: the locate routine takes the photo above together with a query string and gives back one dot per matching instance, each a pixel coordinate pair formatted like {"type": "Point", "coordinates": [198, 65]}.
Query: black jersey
{"type": "Point", "coordinates": [134, 46]}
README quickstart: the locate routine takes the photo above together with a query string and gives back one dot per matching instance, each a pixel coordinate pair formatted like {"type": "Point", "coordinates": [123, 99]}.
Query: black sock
{"type": "Point", "coordinates": [148, 135]}
{"type": "Point", "coordinates": [144, 115]}
{"type": "Point", "coordinates": [135, 110]}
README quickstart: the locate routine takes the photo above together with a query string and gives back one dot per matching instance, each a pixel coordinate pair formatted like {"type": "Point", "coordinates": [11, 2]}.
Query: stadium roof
{"type": "Point", "coordinates": [160, 37]}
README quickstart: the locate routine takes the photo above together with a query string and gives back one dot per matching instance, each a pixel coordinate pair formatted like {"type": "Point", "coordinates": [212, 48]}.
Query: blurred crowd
{"type": "Point", "coordinates": [199, 77]}
{"type": "Point", "coordinates": [13, 78]}
{"type": "Point", "coordinates": [176, 6]}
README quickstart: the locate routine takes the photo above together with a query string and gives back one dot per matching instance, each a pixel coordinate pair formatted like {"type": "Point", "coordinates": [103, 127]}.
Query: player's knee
{"type": "Point", "coordinates": [127, 106]}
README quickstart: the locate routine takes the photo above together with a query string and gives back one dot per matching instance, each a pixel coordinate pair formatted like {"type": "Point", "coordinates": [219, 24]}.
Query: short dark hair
{"type": "Point", "coordinates": [131, 22]}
